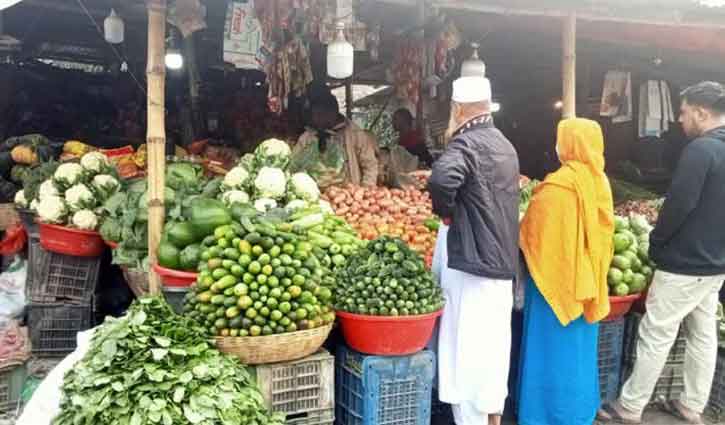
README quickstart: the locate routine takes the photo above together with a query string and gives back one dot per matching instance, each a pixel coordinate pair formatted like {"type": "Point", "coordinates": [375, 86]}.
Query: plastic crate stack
{"type": "Point", "coordinates": [60, 292]}
{"type": "Point", "coordinates": [611, 342]}
{"type": "Point", "coordinates": [377, 390]}
{"type": "Point", "coordinates": [672, 382]}
{"type": "Point", "coordinates": [12, 378]}
{"type": "Point", "coordinates": [304, 390]}
{"type": "Point", "coordinates": [715, 409]}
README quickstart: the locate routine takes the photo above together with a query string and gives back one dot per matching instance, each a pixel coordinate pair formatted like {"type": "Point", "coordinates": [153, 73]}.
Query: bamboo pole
{"type": "Point", "coordinates": [156, 131]}
{"type": "Point", "coordinates": [568, 68]}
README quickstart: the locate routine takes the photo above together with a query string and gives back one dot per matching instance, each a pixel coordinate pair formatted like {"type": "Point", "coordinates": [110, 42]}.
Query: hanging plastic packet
{"type": "Point", "coordinates": [326, 167]}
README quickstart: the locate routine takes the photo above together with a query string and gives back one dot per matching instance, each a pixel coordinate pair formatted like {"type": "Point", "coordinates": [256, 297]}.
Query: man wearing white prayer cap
{"type": "Point", "coordinates": [474, 187]}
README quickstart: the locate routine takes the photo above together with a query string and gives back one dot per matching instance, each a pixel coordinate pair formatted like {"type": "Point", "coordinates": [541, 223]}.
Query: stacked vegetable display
{"type": "Point", "coordinates": [379, 211]}
{"type": "Point", "coordinates": [631, 269]}
{"type": "Point", "coordinates": [154, 367]}
{"type": "Point", "coordinates": [257, 280]}
{"type": "Point", "coordinates": [73, 196]}
{"type": "Point", "coordinates": [126, 222]}
{"type": "Point", "coordinates": [263, 179]}
{"type": "Point", "coordinates": [387, 278]}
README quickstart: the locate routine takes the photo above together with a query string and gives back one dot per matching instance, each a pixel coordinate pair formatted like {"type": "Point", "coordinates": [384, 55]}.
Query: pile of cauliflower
{"type": "Point", "coordinates": [261, 178]}
{"type": "Point", "coordinates": [74, 195]}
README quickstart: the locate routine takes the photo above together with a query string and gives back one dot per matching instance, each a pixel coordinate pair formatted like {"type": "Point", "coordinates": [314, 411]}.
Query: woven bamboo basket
{"type": "Point", "coordinates": [8, 216]}
{"type": "Point", "coordinates": [254, 350]}
{"type": "Point", "coordinates": [138, 280]}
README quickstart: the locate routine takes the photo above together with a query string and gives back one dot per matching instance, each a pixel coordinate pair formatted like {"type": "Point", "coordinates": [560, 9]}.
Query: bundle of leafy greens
{"type": "Point", "coordinates": [155, 367]}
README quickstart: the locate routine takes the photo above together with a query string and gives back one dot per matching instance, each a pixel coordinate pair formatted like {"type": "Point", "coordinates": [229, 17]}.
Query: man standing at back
{"type": "Point", "coordinates": [474, 186]}
{"type": "Point", "coordinates": [688, 245]}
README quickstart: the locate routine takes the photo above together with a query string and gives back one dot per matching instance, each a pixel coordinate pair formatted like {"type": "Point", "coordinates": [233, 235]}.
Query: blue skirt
{"type": "Point", "coordinates": [558, 377]}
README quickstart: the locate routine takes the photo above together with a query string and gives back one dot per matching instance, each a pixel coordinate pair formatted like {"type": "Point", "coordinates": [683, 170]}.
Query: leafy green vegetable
{"type": "Point", "coordinates": [36, 177]}
{"type": "Point", "coordinates": [154, 367]}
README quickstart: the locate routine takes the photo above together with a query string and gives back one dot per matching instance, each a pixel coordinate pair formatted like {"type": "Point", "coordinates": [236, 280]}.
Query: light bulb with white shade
{"type": "Point", "coordinates": [174, 59]}
{"type": "Point", "coordinates": [340, 55]}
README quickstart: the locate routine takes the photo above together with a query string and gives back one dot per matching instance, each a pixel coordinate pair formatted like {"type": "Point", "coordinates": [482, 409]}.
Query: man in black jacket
{"type": "Point", "coordinates": [474, 187]}
{"type": "Point", "coordinates": [688, 245]}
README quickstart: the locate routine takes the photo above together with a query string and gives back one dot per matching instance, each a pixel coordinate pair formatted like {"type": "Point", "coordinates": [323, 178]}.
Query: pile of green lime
{"type": "Point", "coordinates": [255, 280]}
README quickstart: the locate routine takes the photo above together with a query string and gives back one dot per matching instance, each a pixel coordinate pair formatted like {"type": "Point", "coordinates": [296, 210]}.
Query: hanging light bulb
{"type": "Point", "coordinates": [173, 59]}
{"type": "Point", "coordinates": [473, 66]}
{"type": "Point", "coordinates": [113, 28]}
{"type": "Point", "coordinates": [340, 55]}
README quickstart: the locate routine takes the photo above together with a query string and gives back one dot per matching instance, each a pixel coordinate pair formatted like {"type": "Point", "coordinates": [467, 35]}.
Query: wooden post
{"type": "Point", "coordinates": [349, 99]}
{"type": "Point", "coordinates": [568, 68]}
{"type": "Point", "coordinates": [156, 130]}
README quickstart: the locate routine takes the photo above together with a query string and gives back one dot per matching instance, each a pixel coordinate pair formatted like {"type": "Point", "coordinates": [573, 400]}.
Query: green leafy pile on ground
{"type": "Point", "coordinates": [154, 367]}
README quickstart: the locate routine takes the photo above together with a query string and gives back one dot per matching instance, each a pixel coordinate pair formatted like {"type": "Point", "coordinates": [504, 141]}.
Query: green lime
{"type": "Point", "coordinates": [274, 251]}
{"type": "Point", "coordinates": [255, 330]}
{"type": "Point", "coordinates": [254, 268]}
{"type": "Point", "coordinates": [267, 270]}
{"type": "Point", "coordinates": [257, 250]}
{"type": "Point", "coordinates": [264, 259]}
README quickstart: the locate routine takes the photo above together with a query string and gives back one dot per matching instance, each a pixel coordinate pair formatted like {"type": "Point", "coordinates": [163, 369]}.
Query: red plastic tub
{"type": "Point", "coordinates": [387, 335]}
{"type": "Point", "coordinates": [619, 306]}
{"type": "Point", "coordinates": [69, 241]}
{"type": "Point", "coordinates": [175, 278]}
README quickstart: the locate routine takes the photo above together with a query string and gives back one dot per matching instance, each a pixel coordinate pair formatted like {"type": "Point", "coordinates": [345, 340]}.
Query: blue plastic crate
{"type": "Point", "coordinates": [611, 341]}
{"type": "Point", "coordinates": [375, 390]}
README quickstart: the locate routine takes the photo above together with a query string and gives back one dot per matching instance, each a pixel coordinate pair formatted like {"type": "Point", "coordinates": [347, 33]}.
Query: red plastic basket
{"type": "Point", "coordinates": [175, 278]}
{"type": "Point", "coordinates": [387, 335]}
{"type": "Point", "coordinates": [619, 306]}
{"type": "Point", "coordinates": [68, 241]}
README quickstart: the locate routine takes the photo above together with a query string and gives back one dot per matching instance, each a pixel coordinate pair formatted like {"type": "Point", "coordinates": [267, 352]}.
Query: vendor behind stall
{"type": "Point", "coordinates": [409, 137]}
{"type": "Point", "coordinates": [335, 150]}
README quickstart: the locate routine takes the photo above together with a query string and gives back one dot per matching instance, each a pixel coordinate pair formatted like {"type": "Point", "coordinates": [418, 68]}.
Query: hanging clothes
{"type": "Point", "coordinates": [474, 342]}
{"type": "Point", "coordinates": [617, 96]}
{"type": "Point", "coordinates": [655, 108]}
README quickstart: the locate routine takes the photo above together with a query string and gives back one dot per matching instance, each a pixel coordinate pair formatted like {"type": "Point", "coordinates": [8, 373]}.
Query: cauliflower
{"type": "Point", "coordinates": [295, 205]}
{"type": "Point", "coordinates": [326, 207]}
{"type": "Point", "coordinates": [304, 187]}
{"type": "Point", "coordinates": [47, 188]}
{"type": "Point", "coordinates": [236, 178]}
{"type": "Point", "coordinates": [264, 204]}
{"type": "Point", "coordinates": [234, 197]}
{"type": "Point", "coordinates": [66, 175]}
{"type": "Point", "coordinates": [79, 197]}
{"type": "Point", "coordinates": [271, 183]}
{"type": "Point", "coordinates": [105, 185]}
{"type": "Point", "coordinates": [34, 205]}
{"type": "Point", "coordinates": [95, 162]}
{"type": "Point", "coordinates": [20, 199]}
{"type": "Point", "coordinates": [85, 220]}
{"type": "Point", "coordinates": [273, 153]}
{"type": "Point", "coordinates": [52, 209]}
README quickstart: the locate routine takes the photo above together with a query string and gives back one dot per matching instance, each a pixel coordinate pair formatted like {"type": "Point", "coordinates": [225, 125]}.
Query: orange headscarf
{"type": "Point", "coordinates": [566, 235]}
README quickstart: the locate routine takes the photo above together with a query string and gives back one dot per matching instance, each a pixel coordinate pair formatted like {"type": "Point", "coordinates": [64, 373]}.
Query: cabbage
{"type": "Point", "coordinates": [296, 204]}
{"type": "Point", "coordinates": [79, 197]}
{"type": "Point", "coordinates": [52, 209]}
{"type": "Point", "coordinates": [273, 153]}
{"type": "Point", "coordinates": [270, 183]}
{"type": "Point", "coordinates": [236, 178]}
{"type": "Point", "coordinates": [235, 197]}
{"type": "Point", "coordinates": [264, 204]}
{"type": "Point", "coordinates": [85, 220]}
{"type": "Point", "coordinates": [639, 224]}
{"type": "Point", "coordinates": [304, 187]}
{"type": "Point", "coordinates": [66, 175]}
{"type": "Point", "coordinates": [95, 162]}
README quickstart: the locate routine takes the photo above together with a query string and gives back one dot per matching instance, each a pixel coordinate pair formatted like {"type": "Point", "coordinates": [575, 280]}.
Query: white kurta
{"type": "Point", "coordinates": [474, 343]}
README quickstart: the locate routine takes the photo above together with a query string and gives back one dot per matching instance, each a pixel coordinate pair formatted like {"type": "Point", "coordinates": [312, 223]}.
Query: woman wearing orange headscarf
{"type": "Point", "coordinates": [566, 238]}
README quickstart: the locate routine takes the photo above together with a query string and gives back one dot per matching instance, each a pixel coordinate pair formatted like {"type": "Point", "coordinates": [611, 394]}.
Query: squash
{"type": "Point", "coordinates": [23, 154]}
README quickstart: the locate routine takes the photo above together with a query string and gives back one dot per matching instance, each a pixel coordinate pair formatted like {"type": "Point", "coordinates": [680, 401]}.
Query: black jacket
{"type": "Point", "coordinates": [475, 182]}
{"type": "Point", "coordinates": [689, 238]}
